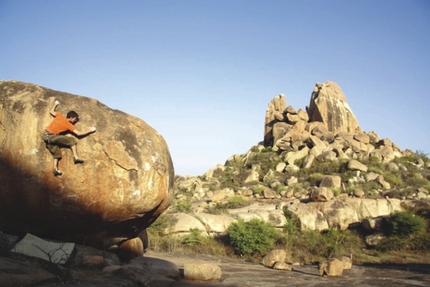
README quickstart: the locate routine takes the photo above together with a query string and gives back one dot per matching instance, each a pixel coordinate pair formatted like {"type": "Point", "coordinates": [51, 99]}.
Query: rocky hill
{"type": "Point", "coordinates": [318, 163]}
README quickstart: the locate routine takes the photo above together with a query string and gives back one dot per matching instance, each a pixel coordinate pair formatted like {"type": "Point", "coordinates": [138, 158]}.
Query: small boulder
{"type": "Point", "coordinates": [331, 268]}
{"type": "Point", "coordinates": [274, 256]}
{"type": "Point", "coordinates": [202, 272]}
{"type": "Point", "coordinates": [356, 165]}
{"type": "Point", "coordinates": [321, 194]}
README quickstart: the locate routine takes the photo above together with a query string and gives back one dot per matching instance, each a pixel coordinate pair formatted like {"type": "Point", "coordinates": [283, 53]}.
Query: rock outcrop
{"type": "Point", "coordinates": [125, 183]}
{"type": "Point", "coordinates": [329, 105]}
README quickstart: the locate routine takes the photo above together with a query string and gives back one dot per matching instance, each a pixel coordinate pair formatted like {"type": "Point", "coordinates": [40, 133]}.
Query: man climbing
{"type": "Point", "coordinates": [55, 138]}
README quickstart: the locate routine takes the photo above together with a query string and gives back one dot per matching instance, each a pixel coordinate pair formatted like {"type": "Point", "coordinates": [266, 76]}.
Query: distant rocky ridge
{"type": "Point", "coordinates": [294, 140]}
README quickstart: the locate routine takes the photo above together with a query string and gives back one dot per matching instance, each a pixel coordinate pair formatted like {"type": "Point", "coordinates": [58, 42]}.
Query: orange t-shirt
{"type": "Point", "coordinates": [60, 124]}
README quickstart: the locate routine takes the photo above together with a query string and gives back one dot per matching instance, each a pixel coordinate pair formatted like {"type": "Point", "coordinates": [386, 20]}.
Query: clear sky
{"type": "Point", "coordinates": [202, 72]}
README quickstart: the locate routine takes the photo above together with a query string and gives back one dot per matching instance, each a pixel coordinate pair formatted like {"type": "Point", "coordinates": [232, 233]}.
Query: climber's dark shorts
{"type": "Point", "coordinates": [55, 142]}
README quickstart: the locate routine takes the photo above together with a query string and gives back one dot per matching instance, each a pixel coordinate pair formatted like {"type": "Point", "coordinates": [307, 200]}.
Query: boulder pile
{"type": "Point", "coordinates": [270, 175]}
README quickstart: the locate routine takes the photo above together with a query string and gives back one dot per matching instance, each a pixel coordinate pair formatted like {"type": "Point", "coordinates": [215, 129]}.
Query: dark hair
{"type": "Point", "coordinates": [72, 114]}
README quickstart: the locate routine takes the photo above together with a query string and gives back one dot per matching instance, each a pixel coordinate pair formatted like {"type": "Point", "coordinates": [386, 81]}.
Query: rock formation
{"type": "Point", "coordinates": [329, 106]}
{"type": "Point", "coordinates": [125, 183]}
{"type": "Point", "coordinates": [274, 114]}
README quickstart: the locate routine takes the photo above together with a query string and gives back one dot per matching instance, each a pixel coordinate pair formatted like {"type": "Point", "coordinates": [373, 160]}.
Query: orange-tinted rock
{"type": "Point", "coordinates": [125, 183]}
{"type": "Point", "coordinates": [329, 105]}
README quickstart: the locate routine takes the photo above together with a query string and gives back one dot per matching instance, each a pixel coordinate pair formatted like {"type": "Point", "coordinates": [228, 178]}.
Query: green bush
{"type": "Point", "coordinates": [258, 189]}
{"type": "Point", "coordinates": [218, 208]}
{"type": "Point", "coordinates": [237, 201]}
{"type": "Point", "coordinates": [405, 224]}
{"type": "Point", "coordinates": [311, 245]}
{"type": "Point", "coordinates": [292, 226]}
{"type": "Point", "coordinates": [194, 238]}
{"type": "Point", "coordinates": [183, 206]}
{"type": "Point", "coordinates": [253, 237]}
{"type": "Point", "coordinates": [316, 177]}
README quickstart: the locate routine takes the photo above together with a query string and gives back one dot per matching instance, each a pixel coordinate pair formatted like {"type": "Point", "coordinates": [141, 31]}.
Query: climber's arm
{"type": "Point", "coordinates": [52, 111]}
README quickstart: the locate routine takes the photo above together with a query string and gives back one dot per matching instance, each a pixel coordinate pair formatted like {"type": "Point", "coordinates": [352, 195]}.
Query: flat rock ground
{"type": "Point", "coordinates": [239, 273]}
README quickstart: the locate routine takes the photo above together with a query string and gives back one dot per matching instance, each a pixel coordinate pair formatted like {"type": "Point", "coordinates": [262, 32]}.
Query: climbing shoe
{"type": "Point", "coordinates": [78, 160]}
{"type": "Point", "coordinates": [57, 172]}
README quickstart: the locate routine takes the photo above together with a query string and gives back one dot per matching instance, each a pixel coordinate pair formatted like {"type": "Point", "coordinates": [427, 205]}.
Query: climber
{"type": "Point", "coordinates": [55, 138]}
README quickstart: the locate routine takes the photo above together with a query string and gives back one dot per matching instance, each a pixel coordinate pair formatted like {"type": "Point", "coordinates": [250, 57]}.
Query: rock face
{"type": "Point", "coordinates": [125, 183]}
{"type": "Point", "coordinates": [274, 114]}
{"type": "Point", "coordinates": [328, 105]}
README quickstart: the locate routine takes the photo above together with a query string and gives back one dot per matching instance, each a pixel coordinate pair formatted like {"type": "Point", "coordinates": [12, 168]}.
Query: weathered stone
{"type": "Point", "coordinates": [310, 217]}
{"type": "Point", "coordinates": [337, 213]}
{"type": "Point", "coordinates": [202, 272]}
{"type": "Point", "coordinates": [218, 195]}
{"type": "Point", "coordinates": [315, 141]}
{"type": "Point", "coordinates": [182, 223]}
{"type": "Point", "coordinates": [292, 180]}
{"type": "Point", "coordinates": [274, 113]}
{"type": "Point", "coordinates": [373, 137]}
{"type": "Point", "coordinates": [346, 262]}
{"type": "Point", "coordinates": [383, 182]}
{"type": "Point", "coordinates": [362, 137]}
{"type": "Point", "coordinates": [321, 194]}
{"type": "Point", "coordinates": [250, 176]}
{"type": "Point", "coordinates": [303, 115]}
{"type": "Point", "coordinates": [130, 249]}
{"type": "Point", "coordinates": [328, 155]}
{"type": "Point", "coordinates": [269, 193]}
{"type": "Point", "coordinates": [125, 183]}
{"type": "Point", "coordinates": [291, 157]}
{"type": "Point", "coordinates": [217, 224]}
{"type": "Point", "coordinates": [356, 165]}
{"type": "Point", "coordinates": [331, 268]}
{"type": "Point", "coordinates": [280, 129]}
{"type": "Point", "coordinates": [282, 266]}
{"type": "Point", "coordinates": [280, 166]}
{"type": "Point", "coordinates": [329, 106]}
{"type": "Point", "coordinates": [293, 118]}
{"type": "Point", "coordinates": [277, 255]}
{"type": "Point", "coordinates": [358, 192]}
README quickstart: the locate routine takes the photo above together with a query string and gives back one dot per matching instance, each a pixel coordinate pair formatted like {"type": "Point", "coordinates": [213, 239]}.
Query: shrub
{"type": "Point", "coordinates": [237, 201]}
{"type": "Point", "coordinates": [258, 189]}
{"type": "Point", "coordinates": [311, 245]}
{"type": "Point", "coordinates": [405, 224]}
{"type": "Point", "coordinates": [194, 238]}
{"type": "Point", "coordinates": [252, 237]}
{"type": "Point", "coordinates": [218, 208]}
{"type": "Point", "coordinates": [183, 206]}
{"type": "Point", "coordinates": [316, 177]}
{"type": "Point", "coordinates": [292, 226]}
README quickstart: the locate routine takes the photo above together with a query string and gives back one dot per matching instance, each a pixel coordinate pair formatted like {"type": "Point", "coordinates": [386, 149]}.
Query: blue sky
{"type": "Point", "coordinates": [203, 72]}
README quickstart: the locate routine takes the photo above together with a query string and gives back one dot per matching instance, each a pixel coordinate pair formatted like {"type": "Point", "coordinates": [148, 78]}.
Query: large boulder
{"type": "Point", "coordinates": [329, 105]}
{"type": "Point", "coordinates": [125, 183]}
